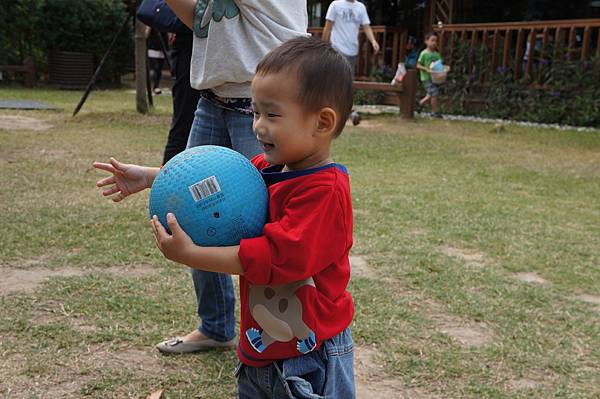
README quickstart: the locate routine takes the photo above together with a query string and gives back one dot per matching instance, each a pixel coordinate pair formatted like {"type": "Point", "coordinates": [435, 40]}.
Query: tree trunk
{"type": "Point", "coordinates": [141, 101]}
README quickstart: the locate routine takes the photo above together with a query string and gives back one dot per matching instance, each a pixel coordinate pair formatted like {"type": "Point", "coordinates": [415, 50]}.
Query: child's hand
{"type": "Point", "coordinates": [175, 247]}
{"type": "Point", "coordinates": [127, 179]}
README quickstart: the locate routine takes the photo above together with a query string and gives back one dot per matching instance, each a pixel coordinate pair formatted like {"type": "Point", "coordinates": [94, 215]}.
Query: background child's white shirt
{"type": "Point", "coordinates": [225, 60]}
{"type": "Point", "coordinates": [347, 17]}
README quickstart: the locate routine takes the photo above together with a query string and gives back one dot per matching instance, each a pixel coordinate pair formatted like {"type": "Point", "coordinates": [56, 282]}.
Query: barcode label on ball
{"type": "Point", "coordinates": [205, 188]}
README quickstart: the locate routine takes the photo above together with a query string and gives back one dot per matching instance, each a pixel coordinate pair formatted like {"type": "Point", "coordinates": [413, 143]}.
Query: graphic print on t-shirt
{"type": "Point", "coordinates": [278, 311]}
{"type": "Point", "coordinates": [218, 10]}
{"type": "Point", "coordinates": [348, 16]}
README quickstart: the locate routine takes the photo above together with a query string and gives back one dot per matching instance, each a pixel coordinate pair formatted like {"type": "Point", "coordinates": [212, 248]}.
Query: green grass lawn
{"type": "Point", "coordinates": [448, 217]}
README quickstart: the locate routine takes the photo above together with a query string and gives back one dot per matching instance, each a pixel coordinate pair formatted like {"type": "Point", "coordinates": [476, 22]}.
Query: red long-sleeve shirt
{"type": "Point", "coordinates": [296, 272]}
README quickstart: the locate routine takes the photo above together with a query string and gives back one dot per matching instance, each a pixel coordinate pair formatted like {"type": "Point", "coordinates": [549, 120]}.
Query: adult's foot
{"type": "Point", "coordinates": [193, 342]}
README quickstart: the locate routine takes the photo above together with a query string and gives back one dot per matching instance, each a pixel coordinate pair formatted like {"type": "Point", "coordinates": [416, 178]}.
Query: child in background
{"type": "Point", "coordinates": [295, 309]}
{"type": "Point", "coordinates": [426, 58]}
{"type": "Point", "coordinates": [411, 53]}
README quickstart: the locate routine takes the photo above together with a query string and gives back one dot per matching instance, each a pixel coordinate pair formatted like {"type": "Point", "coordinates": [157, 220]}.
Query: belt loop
{"type": "Point", "coordinates": [283, 380]}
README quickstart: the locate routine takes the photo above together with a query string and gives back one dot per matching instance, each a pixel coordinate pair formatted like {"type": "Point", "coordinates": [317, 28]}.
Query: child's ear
{"type": "Point", "coordinates": [327, 122]}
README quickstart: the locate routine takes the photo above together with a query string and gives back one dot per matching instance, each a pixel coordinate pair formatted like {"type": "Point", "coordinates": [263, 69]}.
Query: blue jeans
{"type": "Point", "coordinates": [214, 291]}
{"type": "Point", "coordinates": [325, 373]}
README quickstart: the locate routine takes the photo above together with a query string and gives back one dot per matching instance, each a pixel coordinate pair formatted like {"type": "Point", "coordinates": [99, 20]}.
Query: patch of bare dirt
{"type": "Point", "coordinates": [58, 314]}
{"type": "Point", "coordinates": [26, 280]}
{"type": "Point", "coordinates": [530, 277]}
{"type": "Point", "coordinates": [67, 382]}
{"type": "Point", "coordinates": [15, 280]}
{"type": "Point", "coordinates": [17, 122]}
{"type": "Point", "coordinates": [469, 257]}
{"type": "Point", "coordinates": [15, 384]}
{"type": "Point", "coordinates": [359, 267]}
{"type": "Point", "coordinates": [591, 299]}
{"type": "Point", "coordinates": [467, 332]}
{"type": "Point", "coordinates": [144, 360]}
{"type": "Point", "coordinates": [371, 381]}
{"type": "Point", "coordinates": [467, 335]}
{"type": "Point", "coordinates": [524, 383]}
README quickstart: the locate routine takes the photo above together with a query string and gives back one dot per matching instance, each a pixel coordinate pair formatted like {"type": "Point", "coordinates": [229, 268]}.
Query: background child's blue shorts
{"type": "Point", "coordinates": [431, 88]}
{"type": "Point", "coordinates": [325, 373]}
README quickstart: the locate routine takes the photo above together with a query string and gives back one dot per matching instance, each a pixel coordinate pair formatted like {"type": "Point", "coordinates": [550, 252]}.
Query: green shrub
{"type": "Point", "coordinates": [568, 91]}
{"type": "Point", "coordinates": [20, 35]}
{"type": "Point", "coordinates": [368, 97]}
{"type": "Point", "coordinates": [36, 27]}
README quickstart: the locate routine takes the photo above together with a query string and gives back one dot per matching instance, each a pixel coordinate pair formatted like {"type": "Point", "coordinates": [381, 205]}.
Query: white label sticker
{"type": "Point", "coordinates": [205, 188]}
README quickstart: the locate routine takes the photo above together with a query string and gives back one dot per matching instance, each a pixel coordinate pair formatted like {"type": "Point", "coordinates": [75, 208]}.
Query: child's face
{"type": "Point", "coordinates": [285, 130]}
{"type": "Point", "coordinates": [431, 42]}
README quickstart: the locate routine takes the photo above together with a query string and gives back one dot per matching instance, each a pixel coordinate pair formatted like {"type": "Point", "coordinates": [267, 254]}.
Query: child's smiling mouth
{"type": "Point", "coordinates": [266, 146]}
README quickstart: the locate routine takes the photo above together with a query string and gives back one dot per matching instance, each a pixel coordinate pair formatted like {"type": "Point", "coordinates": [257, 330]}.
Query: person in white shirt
{"type": "Point", "coordinates": [342, 22]}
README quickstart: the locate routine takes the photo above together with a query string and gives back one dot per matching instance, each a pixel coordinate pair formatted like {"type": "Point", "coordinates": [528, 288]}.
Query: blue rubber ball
{"type": "Point", "coordinates": [216, 194]}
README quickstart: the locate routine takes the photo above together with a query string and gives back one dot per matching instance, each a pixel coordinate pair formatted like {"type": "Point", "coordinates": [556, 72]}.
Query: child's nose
{"type": "Point", "coordinates": [259, 129]}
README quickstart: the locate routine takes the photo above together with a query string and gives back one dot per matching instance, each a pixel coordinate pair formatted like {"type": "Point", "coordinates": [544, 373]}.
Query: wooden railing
{"type": "Point", "coordinates": [392, 41]}
{"type": "Point", "coordinates": [521, 46]}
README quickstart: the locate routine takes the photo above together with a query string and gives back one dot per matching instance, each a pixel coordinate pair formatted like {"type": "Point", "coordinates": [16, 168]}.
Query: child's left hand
{"type": "Point", "coordinates": [176, 246]}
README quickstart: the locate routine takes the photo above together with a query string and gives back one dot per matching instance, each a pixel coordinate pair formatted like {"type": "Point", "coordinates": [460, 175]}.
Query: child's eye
{"type": "Point", "coordinates": [270, 115]}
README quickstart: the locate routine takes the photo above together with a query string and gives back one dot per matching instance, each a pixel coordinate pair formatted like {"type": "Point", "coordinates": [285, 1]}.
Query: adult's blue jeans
{"type": "Point", "coordinates": [214, 291]}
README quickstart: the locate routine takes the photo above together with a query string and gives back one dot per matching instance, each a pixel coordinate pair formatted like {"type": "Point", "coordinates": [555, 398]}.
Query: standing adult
{"type": "Point", "coordinates": [230, 38]}
{"type": "Point", "coordinates": [342, 22]}
{"type": "Point", "coordinates": [158, 16]}
{"type": "Point", "coordinates": [185, 97]}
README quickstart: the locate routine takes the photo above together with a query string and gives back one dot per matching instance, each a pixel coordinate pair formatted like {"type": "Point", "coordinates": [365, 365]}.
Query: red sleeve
{"type": "Point", "coordinates": [311, 235]}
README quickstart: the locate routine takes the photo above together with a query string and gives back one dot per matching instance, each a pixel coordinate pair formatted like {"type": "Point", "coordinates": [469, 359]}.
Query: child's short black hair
{"type": "Point", "coordinates": [429, 34]}
{"type": "Point", "coordinates": [324, 75]}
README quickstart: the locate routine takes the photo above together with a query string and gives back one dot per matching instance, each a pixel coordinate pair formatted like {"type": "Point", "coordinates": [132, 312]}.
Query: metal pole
{"type": "Point", "coordinates": [92, 81]}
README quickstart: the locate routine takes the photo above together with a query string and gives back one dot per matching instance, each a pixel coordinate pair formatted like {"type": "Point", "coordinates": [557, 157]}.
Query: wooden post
{"type": "Point", "coordinates": [141, 100]}
{"type": "Point", "coordinates": [408, 95]}
{"type": "Point", "coordinates": [29, 68]}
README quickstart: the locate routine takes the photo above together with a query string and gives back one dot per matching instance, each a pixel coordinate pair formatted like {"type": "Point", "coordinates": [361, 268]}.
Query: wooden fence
{"type": "Point", "coordinates": [521, 46]}
{"type": "Point", "coordinates": [392, 41]}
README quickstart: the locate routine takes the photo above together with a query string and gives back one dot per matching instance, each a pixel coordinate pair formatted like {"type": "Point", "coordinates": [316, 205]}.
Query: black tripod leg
{"type": "Point", "coordinates": [148, 83]}
{"type": "Point", "coordinates": [164, 50]}
{"type": "Point", "coordinates": [88, 89]}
